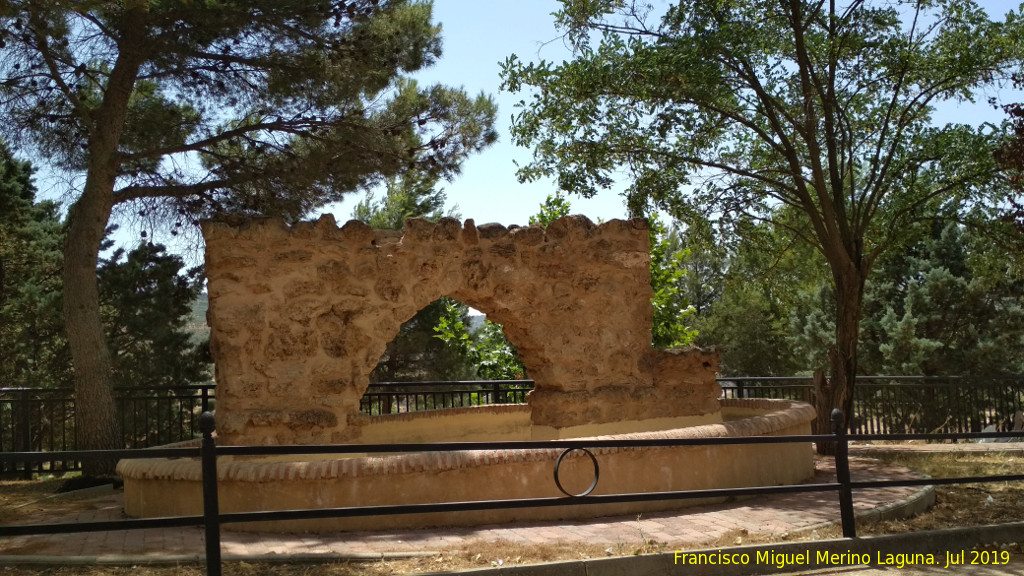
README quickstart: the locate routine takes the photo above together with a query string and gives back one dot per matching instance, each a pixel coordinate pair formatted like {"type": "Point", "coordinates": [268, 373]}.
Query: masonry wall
{"type": "Point", "coordinates": [300, 316]}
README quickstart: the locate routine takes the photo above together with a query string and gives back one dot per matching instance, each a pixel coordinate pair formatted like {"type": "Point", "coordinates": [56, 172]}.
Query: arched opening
{"type": "Point", "coordinates": [417, 354]}
{"type": "Point", "coordinates": [448, 355]}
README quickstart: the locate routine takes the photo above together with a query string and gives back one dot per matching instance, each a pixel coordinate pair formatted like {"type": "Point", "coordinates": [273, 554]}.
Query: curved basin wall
{"type": "Point", "coordinates": [161, 487]}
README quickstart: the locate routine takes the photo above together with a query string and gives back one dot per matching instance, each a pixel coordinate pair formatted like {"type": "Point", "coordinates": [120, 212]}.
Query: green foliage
{"type": "Point", "coordinates": [938, 308]}
{"type": "Point", "coordinates": [409, 196]}
{"type": "Point", "coordinates": [727, 111]}
{"type": "Point", "coordinates": [771, 289]}
{"type": "Point", "coordinates": [286, 105]}
{"type": "Point", "coordinates": [34, 349]}
{"type": "Point", "coordinates": [554, 207]}
{"type": "Point", "coordinates": [498, 359]}
{"type": "Point", "coordinates": [416, 355]}
{"type": "Point", "coordinates": [147, 304]}
{"type": "Point", "coordinates": [178, 110]}
{"type": "Point", "coordinates": [146, 300]}
{"type": "Point", "coordinates": [1011, 157]}
{"type": "Point", "coordinates": [947, 302]}
{"type": "Point", "coordinates": [731, 104]}
{"type": "Point", "coordinates": [672, 310]}
{"type": "Point", "coordinates": [493, 357]}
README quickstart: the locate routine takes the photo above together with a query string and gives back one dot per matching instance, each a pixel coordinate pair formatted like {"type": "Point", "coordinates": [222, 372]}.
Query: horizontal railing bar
{"type": "Point", "coordinates": [129, 454]}
{"type": "Point", "coordinates": [100, 526]}
{"type": "Point", "coordinates": [417, 383]}
{"type": "Point", "coordinates": [523, 445]}
{"type": "Point", "coordinates": [938, 436]}
{"type": "Point", "coordinates": [402, 509]}
{"type": "Point", "coordinates": [476, 446]}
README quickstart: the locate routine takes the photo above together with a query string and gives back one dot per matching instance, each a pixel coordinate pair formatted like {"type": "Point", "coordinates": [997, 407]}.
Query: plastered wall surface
{"type": "Point", "coordinates": [300, 316]}
{"type": "Point", "coordinates": [170, 487]}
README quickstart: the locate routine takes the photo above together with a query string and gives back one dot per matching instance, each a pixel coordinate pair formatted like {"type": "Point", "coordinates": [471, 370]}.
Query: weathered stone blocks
{"type": "Point", "coordinates": [300, 315]}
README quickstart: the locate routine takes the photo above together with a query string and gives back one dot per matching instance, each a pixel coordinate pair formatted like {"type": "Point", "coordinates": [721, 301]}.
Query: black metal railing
{"type": "Point", "coordinates": [212, 518]}
{"type": "Point", "coordinates": [905, 404]}
{"type": "Point", "coordinates": [43, 420]}
{"type": "Point", "coordinates": [40, 420]}
{"type": "Point", "coordinates": [398, 397]}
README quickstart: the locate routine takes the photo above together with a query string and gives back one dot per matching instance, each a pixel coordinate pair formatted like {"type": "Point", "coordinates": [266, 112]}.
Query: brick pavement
{"type": "Point", "coordinates": [775, 514]}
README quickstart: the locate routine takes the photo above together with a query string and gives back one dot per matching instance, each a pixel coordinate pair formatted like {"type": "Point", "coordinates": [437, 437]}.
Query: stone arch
{"type": "Point", "coordinates": [300, 315]}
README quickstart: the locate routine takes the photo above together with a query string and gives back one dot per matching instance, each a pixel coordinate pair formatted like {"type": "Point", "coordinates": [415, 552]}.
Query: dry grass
{"type": "Point", "coordinates": [962, 504]}
{"type": "Point", "coordinates": [956, 506]}
{"type": "Point", "coordinates": [21, 500]}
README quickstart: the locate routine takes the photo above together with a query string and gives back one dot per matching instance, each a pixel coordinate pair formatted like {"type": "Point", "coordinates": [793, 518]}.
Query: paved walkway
{"type": "Point", "coordinates": [777, 514]}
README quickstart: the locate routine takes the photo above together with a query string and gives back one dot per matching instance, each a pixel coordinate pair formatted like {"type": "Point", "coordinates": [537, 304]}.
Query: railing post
{"type": "Point", "coordinates": [843, 475]}
{"type": "Point", "coordinates": [26, 430]}
{"type": "Point", "coordinates": [206, 398]}
{"type": "Point", "coordinates": [211, 508]}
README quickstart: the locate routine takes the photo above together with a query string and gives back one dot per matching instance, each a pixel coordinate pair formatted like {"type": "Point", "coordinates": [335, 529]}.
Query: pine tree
{"type": "Point", "coordinates": [177, 110]}
{"type": "Point", "coordinates": [33, 350]}
{"type": "Point", "coordinates": [146, 301]}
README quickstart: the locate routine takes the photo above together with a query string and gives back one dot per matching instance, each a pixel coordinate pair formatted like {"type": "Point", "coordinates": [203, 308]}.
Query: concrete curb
{"type": "Point", "coordinates": [916, 503]}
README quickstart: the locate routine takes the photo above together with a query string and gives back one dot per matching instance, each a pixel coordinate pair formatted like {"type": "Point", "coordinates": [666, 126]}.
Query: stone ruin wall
{"type": "Point", "coordinates": [300, 316]}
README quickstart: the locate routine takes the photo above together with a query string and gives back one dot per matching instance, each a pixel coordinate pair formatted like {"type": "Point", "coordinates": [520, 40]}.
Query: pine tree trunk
{"type": "Point", "coordinates": [95, 411]}
{"type": "Point", "coordinates": [96, 414]}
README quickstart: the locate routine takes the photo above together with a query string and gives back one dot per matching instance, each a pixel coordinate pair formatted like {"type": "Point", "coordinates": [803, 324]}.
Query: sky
{"type": "Point", "coordinates": [480, 34]}
{"type": "Point", "coordinates": [477, 36]}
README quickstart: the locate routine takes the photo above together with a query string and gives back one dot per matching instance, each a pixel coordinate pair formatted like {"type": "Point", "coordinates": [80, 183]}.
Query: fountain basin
{"type": "Point", "coordinates": [170, 487]}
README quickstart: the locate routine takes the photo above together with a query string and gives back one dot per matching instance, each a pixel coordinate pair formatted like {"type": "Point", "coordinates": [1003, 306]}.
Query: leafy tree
{"type": "Point", "coordinates": [672, 309]}
{"type": "Point", "coordinates": [731, 109]}
{"type": "Point", "coordinates": [415, 354]}
{"type": "Point", "coordinates": [176, 110]}
{"type": "Point", "coordinates": [947, 302]}
{"type": "Point", "coordinates": [1011, 155]}
{"type": "Point", "coordinates": [751, 338]}
{"type": "Point", "coordinates": [554, 207]}
{"type": "Point", "coordinates": [145, 301]}
{"type": "Point", "coordinates": [704, 262]}
{"type": "Point", "coordinates": [489, 350]}
{"type": "Point", "coordinates": [498, 358]}
{"type": "Point", "coordinates": [765, 321]}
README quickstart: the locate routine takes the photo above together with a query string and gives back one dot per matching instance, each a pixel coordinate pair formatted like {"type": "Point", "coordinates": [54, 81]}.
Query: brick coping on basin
{"type": "Point", "coordinates": [779, 415]}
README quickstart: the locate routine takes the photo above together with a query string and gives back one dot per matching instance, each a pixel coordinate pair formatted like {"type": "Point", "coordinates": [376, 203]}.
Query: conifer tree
{"type": "Point", "coordinates": [177, 110]}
